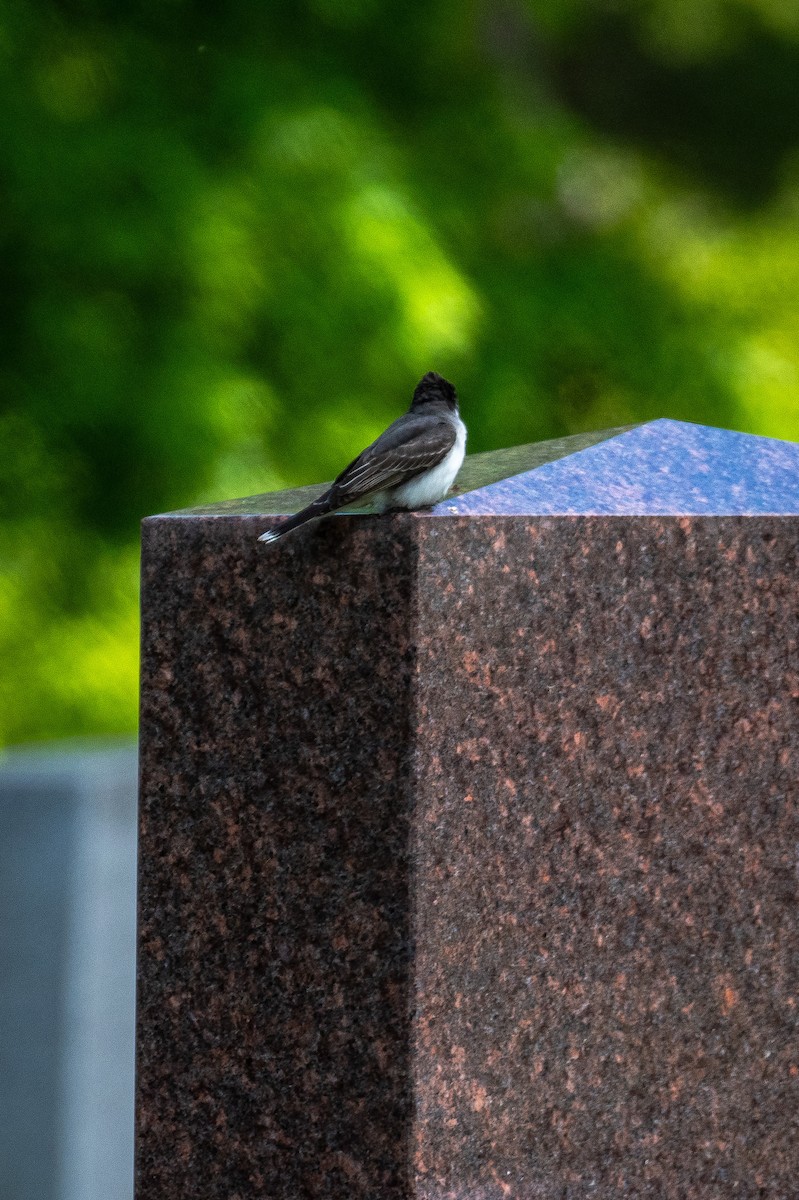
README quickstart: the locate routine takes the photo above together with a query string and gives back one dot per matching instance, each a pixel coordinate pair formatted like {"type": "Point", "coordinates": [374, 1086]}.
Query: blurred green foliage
{"type": "Point", "coordinates": [234, 235]}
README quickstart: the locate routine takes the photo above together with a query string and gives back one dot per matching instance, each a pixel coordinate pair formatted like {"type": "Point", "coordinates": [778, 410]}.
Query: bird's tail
{"type": "Point", "coordinates": [312, 512]}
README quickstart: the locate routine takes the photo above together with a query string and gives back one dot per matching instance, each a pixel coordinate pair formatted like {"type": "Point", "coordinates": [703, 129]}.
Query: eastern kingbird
{"type": "Point", "coordinates": [412, 465]}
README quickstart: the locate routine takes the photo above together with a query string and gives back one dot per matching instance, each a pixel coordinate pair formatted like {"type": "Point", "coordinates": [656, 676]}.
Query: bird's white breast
{"type": "Point", "coordinates": [432, 486]}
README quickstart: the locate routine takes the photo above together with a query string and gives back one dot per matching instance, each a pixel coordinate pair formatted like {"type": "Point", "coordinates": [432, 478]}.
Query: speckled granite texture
{"type": "Point", "coordinates": [468, 864]}
{"type": "Point", "coordinates": [663, 468]}
{"type": "Point", "coordinates": [605, 859]}
{"type": "Point", "coordinates": [274, 894]}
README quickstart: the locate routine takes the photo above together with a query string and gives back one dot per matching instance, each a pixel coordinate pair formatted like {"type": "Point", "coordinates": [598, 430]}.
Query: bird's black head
{"type": "Point", "coordinates": [434, 388]}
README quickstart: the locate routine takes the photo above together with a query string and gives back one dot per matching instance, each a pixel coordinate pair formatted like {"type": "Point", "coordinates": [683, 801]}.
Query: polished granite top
{"type": "Point", "coordinates": [663, 467]}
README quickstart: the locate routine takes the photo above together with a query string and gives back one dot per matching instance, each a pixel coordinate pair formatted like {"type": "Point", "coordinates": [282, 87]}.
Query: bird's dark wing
{"type": "Point", "coordinates": [411, 445]}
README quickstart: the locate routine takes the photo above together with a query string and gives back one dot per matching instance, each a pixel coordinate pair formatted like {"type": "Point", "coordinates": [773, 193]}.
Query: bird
{"type": "Point", "coordinates": [413, 464]}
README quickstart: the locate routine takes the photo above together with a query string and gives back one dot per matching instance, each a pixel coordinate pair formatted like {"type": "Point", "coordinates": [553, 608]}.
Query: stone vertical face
{"type": "Point", "coordinates": [38, 833]}
{"type": "Point", "coordinates": [273, 899]}
{"type": "Point", "coordinates": [67, 952]}
{"type": "Point", "coordinates": [606, 922]}
{"type": "Point", "coordinates": [468, 851]}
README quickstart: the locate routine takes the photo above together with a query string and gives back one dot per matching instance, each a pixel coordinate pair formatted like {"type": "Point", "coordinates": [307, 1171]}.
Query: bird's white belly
{"type": "Point", "coordinates": [432, 486]}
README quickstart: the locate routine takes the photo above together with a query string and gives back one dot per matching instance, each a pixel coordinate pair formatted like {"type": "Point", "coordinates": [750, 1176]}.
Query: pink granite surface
{"type": "Point", "coordinates": [468, 859]}
{"type": "Point", "coordinates": [605, 859]}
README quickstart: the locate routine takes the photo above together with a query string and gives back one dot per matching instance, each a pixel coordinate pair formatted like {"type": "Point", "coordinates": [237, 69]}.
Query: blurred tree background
{"type": "Point", "coordinates": [234, 235]}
